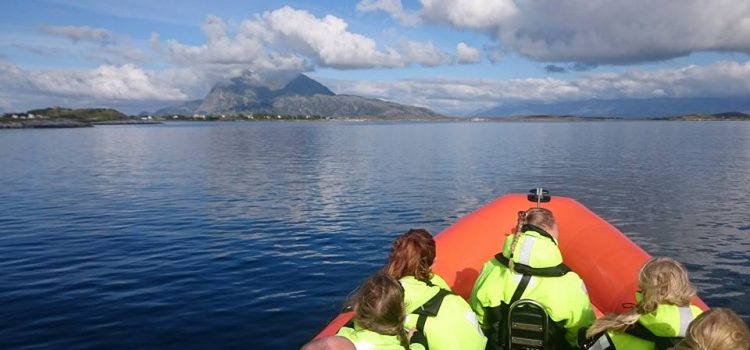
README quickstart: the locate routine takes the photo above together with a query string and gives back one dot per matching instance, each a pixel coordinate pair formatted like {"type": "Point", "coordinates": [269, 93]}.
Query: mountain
{"type": "Point", "coordinates": [187, 108]}
{"type": "Point", "coordinates": [302, 85]}
{"type": "Point", "coordinates": [348, 106]}
{"type": "Point", "coordinates": [624, 108]}
{"type": "Point", "coordinates": [298, 95]}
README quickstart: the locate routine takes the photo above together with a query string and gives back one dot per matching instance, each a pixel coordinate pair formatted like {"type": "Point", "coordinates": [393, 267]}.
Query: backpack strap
{"type": "Point", "coordinates": [601, 341]}
{"type": "Point", "coordinates": [661, 343]}
{"type": "Point", "coordinates": [429, 309]}
{"type": "Point", "coordinates": [554, 271]}
{"type": "Point", "coordinates": [498, 317]}
{"type": "Point", "coordinates": [520, 289]}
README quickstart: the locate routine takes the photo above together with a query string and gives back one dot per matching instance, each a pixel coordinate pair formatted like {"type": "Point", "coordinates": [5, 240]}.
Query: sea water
{"type": "Point", "coordinates": [251, 234]}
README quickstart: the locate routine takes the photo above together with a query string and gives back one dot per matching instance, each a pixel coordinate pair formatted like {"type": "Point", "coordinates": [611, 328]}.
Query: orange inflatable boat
{"type": "Point", "coordinates": [606, 259]}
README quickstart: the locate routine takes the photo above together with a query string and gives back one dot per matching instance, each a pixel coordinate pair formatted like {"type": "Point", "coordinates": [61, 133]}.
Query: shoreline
{"type": "Point", "coordinates": [66, 123]}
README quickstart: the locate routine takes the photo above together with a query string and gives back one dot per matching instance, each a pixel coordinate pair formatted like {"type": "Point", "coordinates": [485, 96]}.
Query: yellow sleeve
{"type": "Point", "coordinates": [476, 301]}
{"type": "Point", "coordinates": [581, 313]}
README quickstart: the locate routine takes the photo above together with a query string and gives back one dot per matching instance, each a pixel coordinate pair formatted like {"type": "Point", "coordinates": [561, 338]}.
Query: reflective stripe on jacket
{"type": "Point", "coordinates": [667, 321]}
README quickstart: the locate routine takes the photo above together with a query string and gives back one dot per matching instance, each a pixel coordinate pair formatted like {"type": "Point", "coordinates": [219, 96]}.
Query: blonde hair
{"type": "Point", "coordinates": [662, 281]}
{"type": "Point", "coordinates": [379, 307]}
{"type": "Point", "coordinates": [541, 217]}
{"type": "Point", "coordinates": [716, 329]}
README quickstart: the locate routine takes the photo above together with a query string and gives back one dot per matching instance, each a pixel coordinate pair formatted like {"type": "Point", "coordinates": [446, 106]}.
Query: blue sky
{"type": "Point", "coordinates": [449, 55]}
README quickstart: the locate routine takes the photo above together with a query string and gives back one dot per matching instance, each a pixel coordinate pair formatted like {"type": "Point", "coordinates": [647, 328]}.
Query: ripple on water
{"type": "Point", "coordinates": [252, 235]}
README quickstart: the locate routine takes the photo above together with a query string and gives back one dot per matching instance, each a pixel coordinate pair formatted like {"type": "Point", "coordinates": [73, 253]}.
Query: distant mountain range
{"type": "Point", "coordinates": [623, 108]}
{"type": "Point", "coordinates": [300, 95]}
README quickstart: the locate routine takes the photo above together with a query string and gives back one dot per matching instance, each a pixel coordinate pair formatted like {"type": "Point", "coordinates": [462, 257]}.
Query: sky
{"type": "Point", "coordinates": [453, 56]}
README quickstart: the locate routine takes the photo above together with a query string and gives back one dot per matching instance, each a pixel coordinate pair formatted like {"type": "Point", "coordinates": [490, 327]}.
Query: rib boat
{"type": "Point", "coordinates": [607, 260]}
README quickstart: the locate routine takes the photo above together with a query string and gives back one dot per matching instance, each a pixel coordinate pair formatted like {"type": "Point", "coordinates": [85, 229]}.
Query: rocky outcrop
{"type": "Point", "coordinates": [44, 123]}
{"type": "Point", "coordinates": [187, 108]}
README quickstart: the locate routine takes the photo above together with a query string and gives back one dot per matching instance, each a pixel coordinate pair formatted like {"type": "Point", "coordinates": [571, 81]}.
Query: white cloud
{"type": "Point", "coordinates": [326, 39]}
{"type": "Point", "coordinates": [457, 96]}
{"type": "Point", "coordinates": [80, 33]}
{"type": "Point", "coordinates": [224, 52]}
{"type": "Point", "coordinates": [128, 83]}
{"type": "Point", "coordinates": [392, 7]}
{"type": "Point", "coordinates": [96, 44]}
{"type": "Point", "coordinates": [473, 14]}
{"type": "Point", "coordinates": [290, 39]}
{"type": "Point", "coordinates": [424, 53]}
{"type": "Point", "coordinates": [596, 32]}
{"type": "Point", "coordinates": [107, 82]}
{"type": "Point", "coordinates": [467, 54]}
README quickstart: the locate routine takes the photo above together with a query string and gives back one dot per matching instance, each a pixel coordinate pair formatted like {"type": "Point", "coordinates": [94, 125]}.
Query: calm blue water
{"type": "Point", "coordinates": [249, 235]}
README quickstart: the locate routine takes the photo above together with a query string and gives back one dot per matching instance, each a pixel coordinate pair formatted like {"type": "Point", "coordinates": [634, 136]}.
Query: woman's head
{"type": "Point", "coordinates": [716, 329]}
{"type": "Point", "coordinates": [539, 217]}
{"type": "Point", "coordinates": [664, 281]}
{"type": "Point", "coordinates": [379, 305]}
{"type": "Point", "coordinates": [412, 254]}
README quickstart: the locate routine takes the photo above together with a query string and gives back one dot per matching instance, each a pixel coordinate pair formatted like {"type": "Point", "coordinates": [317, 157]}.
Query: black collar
{"type": "Point", "coordinates": [552, 271]}
{"type": "Point", "coordinates": [539, 230]}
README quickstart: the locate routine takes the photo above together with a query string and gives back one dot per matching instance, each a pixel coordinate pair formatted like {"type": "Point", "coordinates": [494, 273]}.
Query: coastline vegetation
{"type": "Point", "coordinates": [57, 117]}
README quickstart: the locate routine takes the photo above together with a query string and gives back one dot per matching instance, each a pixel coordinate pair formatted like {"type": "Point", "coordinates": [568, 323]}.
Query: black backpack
{"type": "Point", "coordinates": [524, 324]}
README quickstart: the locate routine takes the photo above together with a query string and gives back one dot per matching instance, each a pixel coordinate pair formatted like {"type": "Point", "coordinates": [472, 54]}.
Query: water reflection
{"type": "Point", "coordinates": [250, 234]}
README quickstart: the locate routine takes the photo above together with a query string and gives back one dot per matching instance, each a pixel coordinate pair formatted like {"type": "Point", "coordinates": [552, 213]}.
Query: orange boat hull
{"type": "Point", "coordinates": [606, 259]}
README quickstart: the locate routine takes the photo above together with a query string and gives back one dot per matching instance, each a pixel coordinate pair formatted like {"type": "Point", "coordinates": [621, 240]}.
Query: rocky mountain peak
{"type": "Point", "coordinates": [302, 85]}
{"type": "Point", "coordinates": [291, 93]}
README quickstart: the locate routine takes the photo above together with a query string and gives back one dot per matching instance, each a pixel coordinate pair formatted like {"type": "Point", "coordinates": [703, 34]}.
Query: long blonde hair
{"type": "Point", "coordinates": [379, 307]}
{"type": "Point", "coordinates": [541, 217]}
{"type": "Point", "coordinates": [716, 329]}
{"type": "Point", "coordinates": [662, 281]}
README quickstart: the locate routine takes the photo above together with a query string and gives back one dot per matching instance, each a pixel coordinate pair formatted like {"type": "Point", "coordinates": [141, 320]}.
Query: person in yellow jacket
{"type": "Point", "coordinates": [661, 315]}
{"type": "Point", "coordinates": [531, 267]}
{"type": "Point", "coordinates": [716, 329]}
{"type": "Point", "coordinates": [329, 343]}
{"type": "Point", "coordinates": [379, 316]}
{"type": "Point", "coordinates": [444, 319]}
